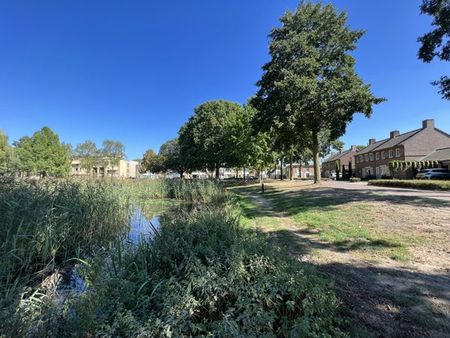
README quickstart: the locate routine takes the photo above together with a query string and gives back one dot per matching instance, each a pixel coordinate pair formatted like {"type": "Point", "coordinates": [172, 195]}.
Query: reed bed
{"type": "Point", "coordinates": [203, 274]}
{"type": "Point", "coordinates": [47, 222]}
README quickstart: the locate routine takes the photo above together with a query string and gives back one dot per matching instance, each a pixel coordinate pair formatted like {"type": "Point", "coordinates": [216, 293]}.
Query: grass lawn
{"type": "Point", "coordinates": [340, 221]}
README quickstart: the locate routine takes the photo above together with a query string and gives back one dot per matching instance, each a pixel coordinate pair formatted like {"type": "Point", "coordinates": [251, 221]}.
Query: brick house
{"type": "Point", "coordinates": [346, 160]}
{"type": "Point", "coordinates": [415, 145]}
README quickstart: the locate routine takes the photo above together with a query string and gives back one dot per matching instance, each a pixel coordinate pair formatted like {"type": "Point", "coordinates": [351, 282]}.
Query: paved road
{"type": "Point", "coordinates": [362, 187]}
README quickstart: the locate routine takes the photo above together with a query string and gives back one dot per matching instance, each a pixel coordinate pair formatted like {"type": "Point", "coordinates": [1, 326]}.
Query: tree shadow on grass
{"type": "Point", "coordinates": [390, 301]}
{"type": "Point", "coordinates": [325, 199]}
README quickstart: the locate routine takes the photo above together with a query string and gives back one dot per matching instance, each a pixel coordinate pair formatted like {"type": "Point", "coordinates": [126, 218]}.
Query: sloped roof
{"type": "Point", "coordinates": [371, 147]}
{"type": "Point", "coordinates": [438, 155]}
{"type": "Point", "coordinates": [389, 142]}
{"type": "Point", "coordinates": [392, 142]}
{"type": "Point", "coordinates": [337, 156]}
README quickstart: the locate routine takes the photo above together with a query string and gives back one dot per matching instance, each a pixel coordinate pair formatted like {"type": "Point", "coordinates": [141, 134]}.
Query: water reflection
{"type": "Point", "coordinates": [141, 228]}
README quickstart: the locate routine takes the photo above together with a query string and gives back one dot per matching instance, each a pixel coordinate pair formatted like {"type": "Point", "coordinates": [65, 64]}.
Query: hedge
{"type": "Point", "coordinates": [414, 184]}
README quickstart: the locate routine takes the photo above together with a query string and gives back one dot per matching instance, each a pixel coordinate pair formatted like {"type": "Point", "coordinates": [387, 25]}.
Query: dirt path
{"type": "Point", "coordinates": [389, 298]}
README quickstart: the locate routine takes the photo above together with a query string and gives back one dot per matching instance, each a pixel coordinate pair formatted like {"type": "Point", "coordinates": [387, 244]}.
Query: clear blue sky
{"type": "Point", "coordinates": [134, 70]}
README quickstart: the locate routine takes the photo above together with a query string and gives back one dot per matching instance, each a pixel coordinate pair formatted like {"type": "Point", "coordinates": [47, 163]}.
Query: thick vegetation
{"type": "Point", "coordinates": [202, 274]}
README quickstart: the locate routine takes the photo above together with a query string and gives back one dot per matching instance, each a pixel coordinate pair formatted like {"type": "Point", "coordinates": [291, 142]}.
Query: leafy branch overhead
{"type": "Point", "coordinates": [436, 44]}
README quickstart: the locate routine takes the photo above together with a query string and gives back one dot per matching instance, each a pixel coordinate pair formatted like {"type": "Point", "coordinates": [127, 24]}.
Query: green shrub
{"type": "Point", "coordinates": [204, 275]}
{"type": "Point", "coordinates": [355, 179]}
{"type": "Point", "coordinates": [414, 184]}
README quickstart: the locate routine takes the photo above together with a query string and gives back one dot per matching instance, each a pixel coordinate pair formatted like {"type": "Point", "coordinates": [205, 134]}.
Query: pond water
{"type": "Point", "coordinates": [141, 228]}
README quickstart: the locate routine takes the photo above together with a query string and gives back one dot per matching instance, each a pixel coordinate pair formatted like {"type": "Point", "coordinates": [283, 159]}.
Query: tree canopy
{"type": "Point", "coordinates": [208, 138]}
{"type": "Point", "coordinates": [88, 154]}
{"type": "Point", "coordinates": [437, 42]}
{"type": "Point", "coordinates": [5, 153]}
{"type": "Point", "coordinates": [310, 84]}
{"type": "Point", "coordinates": [42, 154]}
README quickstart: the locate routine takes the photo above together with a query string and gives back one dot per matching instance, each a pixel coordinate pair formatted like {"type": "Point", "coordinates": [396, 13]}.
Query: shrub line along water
{"type": "Point", "coordinates": [200, 273]}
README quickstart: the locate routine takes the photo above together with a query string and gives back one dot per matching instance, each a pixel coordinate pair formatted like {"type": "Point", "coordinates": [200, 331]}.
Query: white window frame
{"type": "Point", "coordinates": [371, 157]}
{"type": "Point", "coordinates": [391, 153]}
{"type": "Point", "coordinates": [377, 156]}
{"type": "Point", "coordinates": [366, 157]}
{"type": "Point", "coordinates": [397, 152]}
{"type": "Point", "coordinates": [383, 155]}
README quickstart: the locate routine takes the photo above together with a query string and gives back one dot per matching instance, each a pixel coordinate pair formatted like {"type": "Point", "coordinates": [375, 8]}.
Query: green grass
{"type": "Point", "coordinates": [345, 224]}
{"type": "Point", "coordinates": [413, 184]}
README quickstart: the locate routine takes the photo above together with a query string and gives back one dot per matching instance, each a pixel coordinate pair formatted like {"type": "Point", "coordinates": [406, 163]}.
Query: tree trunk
{"type": "Point", "coordinates": [291, 167]}
{"type": "Point", "coordinates": [300, 167]}
{"type": "Point", "coordinates": [316, 157]}
{"type": "Point", "coordinates": [281, 169]}
{"type": "Point", "coordinates": [217, 171]}
{"type": "Point", "coordinates": [243, 172]}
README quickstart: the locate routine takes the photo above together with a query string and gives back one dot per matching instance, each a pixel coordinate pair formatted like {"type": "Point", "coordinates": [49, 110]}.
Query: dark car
{"type": "Point", "coordinates": [434, 174]}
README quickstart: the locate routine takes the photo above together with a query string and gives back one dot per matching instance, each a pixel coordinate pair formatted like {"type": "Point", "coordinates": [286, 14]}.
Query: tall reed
{"type": "Point", "coordinates": [45, 222]}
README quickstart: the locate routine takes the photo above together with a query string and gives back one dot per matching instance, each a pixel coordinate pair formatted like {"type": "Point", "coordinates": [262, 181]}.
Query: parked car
{"type": "Point", "coordinates": [434, 174]}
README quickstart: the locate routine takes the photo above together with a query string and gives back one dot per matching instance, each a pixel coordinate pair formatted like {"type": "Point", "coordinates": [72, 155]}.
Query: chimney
{"type": "Point", "coordinates": [372, 141]}
{"type": "Point", "coordinates": [353, 148]}
{"type": "Point", "coordinates": [394, 133]}
{"type": "Point", "coordinates": [428, 123]}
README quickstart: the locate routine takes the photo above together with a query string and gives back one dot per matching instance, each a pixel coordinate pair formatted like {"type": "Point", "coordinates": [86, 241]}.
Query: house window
{"type": "Point", "coordinates": [377, 156]}
{"type": "Point", "coordinates": [366, 157]}
{"type": "Point", "coordinates": [356, 159]}
{"type": "Point", "coordinates": [391, 153]}
{"type": "Point", "coordinates": [371, 156]}
{"type": "Point", "coordinates": [377, 170]}
{"type": "Point", "coordinates": [361, 159]}
{"type": "Point", "coordinates": [397, 152]}
{"type": "Point", "coordinates": [383, 155]}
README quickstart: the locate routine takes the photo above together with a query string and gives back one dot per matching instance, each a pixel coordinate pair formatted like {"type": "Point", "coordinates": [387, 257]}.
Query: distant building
{"type": "Point", "coordinates": [343, 161]}
{"type": "Point", "coordinates": [125, 169]}
{"type": "Point", "coordinates": [421, 144]}
{"type": "Point", "coordinates": [298, 171]}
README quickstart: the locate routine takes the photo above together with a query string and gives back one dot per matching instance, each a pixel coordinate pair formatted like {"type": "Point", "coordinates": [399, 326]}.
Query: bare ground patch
{"type": "Point", "coordinates": [388, 297]}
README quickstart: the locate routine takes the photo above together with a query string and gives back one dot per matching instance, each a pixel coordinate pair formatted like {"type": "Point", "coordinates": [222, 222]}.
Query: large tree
{"type": "Point", "coordinates": [5, 153]}
{"type": "Point", "coordinates": [112, 152]}
{"type": "Point", "coordinates": [88, 154]}
{"type": "Point", "coordinates": [43, 154]}
{"type": "Point", "coordinates": [206, 140]}
{"type": "Point", "coordinates": [170, 157]}
{"type": "Point", "coordinates": [151, 162]}
{"type": "Point", "coordinates": [310, 83]}
{"type": "Point", "coordinates": [437, 42]}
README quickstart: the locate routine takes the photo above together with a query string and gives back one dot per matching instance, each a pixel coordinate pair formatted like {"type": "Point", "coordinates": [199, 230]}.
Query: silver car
{"type": "Point", "coordinates": [434, 174]}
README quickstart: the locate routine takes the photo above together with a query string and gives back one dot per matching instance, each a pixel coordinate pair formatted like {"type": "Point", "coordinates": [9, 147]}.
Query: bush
{"type": "Point", "coordinates": [414, 184]}
{"type": "Point", "coordinates": [355, 179]}
{"type": "Point", "coordinates": [204, 275]}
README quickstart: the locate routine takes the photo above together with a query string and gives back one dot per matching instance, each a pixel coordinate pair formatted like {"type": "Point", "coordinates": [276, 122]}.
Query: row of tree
{"type": "Point", "coordinates": [308, 93]}
{"type": "Point", "coordinates": [44, 154]}
{"type": "Point", "coordinates": [91, 156]}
